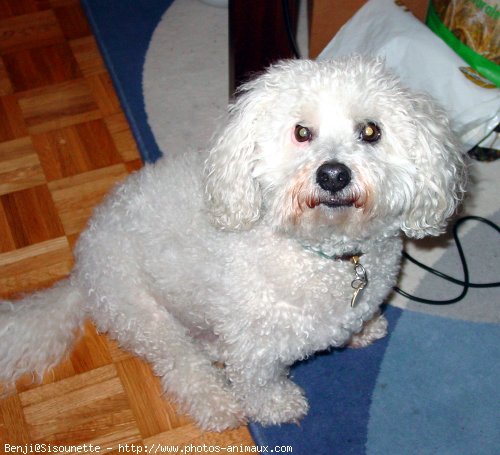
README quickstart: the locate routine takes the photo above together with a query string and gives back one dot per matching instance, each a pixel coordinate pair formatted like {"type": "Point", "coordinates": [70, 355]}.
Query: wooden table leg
{"type": "Point", "coordinates": [257, 36]}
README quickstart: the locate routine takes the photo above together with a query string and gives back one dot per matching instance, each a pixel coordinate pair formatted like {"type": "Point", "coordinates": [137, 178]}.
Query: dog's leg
{"type": "Point", "coordinates": [151, 332]}
{"type": "Point", "coordinates": [373, 330]}
{"type": "Point", "coordinates": [265, 392]}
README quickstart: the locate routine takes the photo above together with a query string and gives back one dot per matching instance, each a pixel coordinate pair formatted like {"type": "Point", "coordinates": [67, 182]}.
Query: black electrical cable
{"type": "Point", "coordinates": [288, 28]}
{"type": "Point", "coordinates": [465, 283]}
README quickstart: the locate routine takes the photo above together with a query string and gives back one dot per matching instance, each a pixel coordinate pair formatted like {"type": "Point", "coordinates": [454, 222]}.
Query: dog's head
{"type": "Point", "coordinates": [340, 145]}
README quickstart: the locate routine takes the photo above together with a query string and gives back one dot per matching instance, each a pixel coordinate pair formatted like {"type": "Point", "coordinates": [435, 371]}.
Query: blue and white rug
{"type": "Point", "coordinates": [432, 386]}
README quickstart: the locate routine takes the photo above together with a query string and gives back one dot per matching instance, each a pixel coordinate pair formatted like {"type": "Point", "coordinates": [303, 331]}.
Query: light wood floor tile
{"type": "Point", "coordinates": [61, 388]}
{"type": "Point", "coordinates": [12, 124]}
{"type": "Point", "coordinates": [31, 216]}
{"type": "Point", "coordinates": [76, 149]}
{"type": "Point", "coordinates": [62, 3]}
{"type": "Point", "coordinates": [20, 166]}
{"type": "Point", "coordinates": [9, 8]}
{"type": "Point", "coordinates": [22, 32]}
{"type": "Point", "coordinates": [75, 197]}
{"type": "Point", "coordinates": [5, 84]}
{"type": "Point", "coordinates": [34, 267]}
{"type": "Point", "coordinates": [91, 351]}
{"type": "Point", "coordinates": [72, 19]}
{"type": "Point", "coordinates": [116, 353]}
{"type": "Point", "coordinates": [122, 136]}
{"type": "Point", "coordinates": [58, 106]}
{"type": "Point", "coordinates": [61, 371]}
{"type": "Point", "coordinates": [104, 94]}
{"type": "Point", "coordinates": [33, 68]}
{"type": "Point", "coordinates": [7, 242]}
{"type": "Point", "coordinates": [88, 56]}
{"type": "Point", "coordinates": [86, 413]}
{"type": "Point", "coordinates": [14, 424]}
{"type": "Point", "coordinates": [153, 416]}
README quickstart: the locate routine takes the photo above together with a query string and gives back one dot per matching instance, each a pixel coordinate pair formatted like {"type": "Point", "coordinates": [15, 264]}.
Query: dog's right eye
{"type": "Point", "coordinates": [369, 132]}
{"type": "Point", "coordinates": [302, 133]}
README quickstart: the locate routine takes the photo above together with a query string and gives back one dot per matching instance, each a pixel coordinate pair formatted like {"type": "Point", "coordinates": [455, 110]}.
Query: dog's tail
{"type": "Point", "coordinates": [38, 330]}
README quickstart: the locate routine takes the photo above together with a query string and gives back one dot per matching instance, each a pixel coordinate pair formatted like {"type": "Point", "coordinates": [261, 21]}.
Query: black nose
{"type": "Point", "coordinates": [332, 176]}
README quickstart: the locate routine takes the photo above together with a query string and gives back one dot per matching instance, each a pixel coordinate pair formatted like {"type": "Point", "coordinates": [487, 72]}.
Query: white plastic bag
{"type": "Point", "coordinates": [423, 62]}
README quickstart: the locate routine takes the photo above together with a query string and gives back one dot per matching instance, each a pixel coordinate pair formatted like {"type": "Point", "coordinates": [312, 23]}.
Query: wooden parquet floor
{"type": "Point", "coordinates": [64, 141]}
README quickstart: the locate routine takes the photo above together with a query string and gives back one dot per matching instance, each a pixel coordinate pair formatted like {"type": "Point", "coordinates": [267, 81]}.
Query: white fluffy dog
{"type": "Point", "coordinates": [245, 260]}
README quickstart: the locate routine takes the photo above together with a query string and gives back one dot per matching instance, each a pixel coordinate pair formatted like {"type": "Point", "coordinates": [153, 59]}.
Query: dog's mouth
{"type": "Point", "coordinates": [335, 201]}
{"type": "Point", "coordinates": [347, 198]}
{"type": "Point", "coordinates": [337, 205]}
{"type": "Point", "coordinates": [338, 200]}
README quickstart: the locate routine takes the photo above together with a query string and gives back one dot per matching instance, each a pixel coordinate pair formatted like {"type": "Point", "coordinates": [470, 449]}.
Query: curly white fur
{"type": "Point", "coordinates": [235, 261]}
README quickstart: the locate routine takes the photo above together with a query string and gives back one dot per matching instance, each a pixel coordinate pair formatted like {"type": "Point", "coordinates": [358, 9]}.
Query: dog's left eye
{"type": "Point", "coordinates": [369, 132]}
{"type": "Point", "coordinates": [302, 133]}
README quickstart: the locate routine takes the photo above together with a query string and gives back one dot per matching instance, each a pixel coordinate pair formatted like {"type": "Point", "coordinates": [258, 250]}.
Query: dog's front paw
{"type": "Point", "coordinates": [217, 412]}
{"type": "Point", "coordinates": [207, 399]}
{"type": "Point", "coordinates": [277, 403]}
{"type": "Point", "coordinates": [372, 330]}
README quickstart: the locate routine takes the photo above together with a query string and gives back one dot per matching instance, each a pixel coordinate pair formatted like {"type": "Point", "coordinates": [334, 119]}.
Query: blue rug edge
{"type": "Point", "coordinates": [98, 14]}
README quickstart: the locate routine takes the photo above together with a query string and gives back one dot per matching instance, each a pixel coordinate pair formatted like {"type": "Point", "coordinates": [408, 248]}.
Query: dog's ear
{"type": "Point", "coordinates": [233, 196]}
{"type": "Point", "coordinates": [441, 171]}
